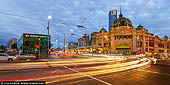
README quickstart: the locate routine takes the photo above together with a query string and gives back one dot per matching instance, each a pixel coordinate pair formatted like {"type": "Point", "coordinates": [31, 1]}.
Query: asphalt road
{"type": "Point", "coordinates": [154, 75]}
{"type": "Point", "coordinates": [158, 74]}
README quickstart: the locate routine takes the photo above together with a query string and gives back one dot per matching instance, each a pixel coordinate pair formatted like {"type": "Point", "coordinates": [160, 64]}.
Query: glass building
{"type": "Point", "coordinates": [112, 17]}
{"type": "Point", "coordinates": [33, 43]}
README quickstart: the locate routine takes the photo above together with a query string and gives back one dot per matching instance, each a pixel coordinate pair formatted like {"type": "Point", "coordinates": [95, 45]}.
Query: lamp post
{"type": "Point", "coordinates": [49, 18]}
{"type": "Point", "coordinates": [64, 43]}
{"type": "Point", "coordinates": [39, 47]}
{"type": "Point", "coordinates": [56, 43]}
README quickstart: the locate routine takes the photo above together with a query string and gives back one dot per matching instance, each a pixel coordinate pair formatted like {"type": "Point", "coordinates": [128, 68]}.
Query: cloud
{"type": "Point", "coordinates": [130, 16]}
{"type": "Point", "coordinates": [151, 3]}
{"type": "Point", "coordinates": [154, 3]}
{"type": "Point", "coordinates": [168, 17]}
{"type": "Point", "coordinates": [144, 15]}
{"type": "Point", "coordinates": [148, 13]}
{"type": "Point", "coordinates": [76, 3]}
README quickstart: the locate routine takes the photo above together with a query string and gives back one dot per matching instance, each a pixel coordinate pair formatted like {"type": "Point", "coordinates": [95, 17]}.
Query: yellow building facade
{"type": "Point", "coordinates": [124, 38]}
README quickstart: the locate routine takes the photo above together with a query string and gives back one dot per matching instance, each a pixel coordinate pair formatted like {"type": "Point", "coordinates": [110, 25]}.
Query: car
{"type": "Point", "coordinates": [23, 56]}
{"type": "Point", "coordinates": [153, 60]}
{"type": "Point", "coordinates": [4, 56]}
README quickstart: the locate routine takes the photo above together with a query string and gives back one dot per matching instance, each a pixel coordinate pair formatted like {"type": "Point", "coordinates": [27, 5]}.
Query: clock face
{"type": "Point", "coordinates": [122, 32]}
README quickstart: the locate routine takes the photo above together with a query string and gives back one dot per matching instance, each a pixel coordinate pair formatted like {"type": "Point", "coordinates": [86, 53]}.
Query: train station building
{"type": "Point", "coordinates": [124, 38]}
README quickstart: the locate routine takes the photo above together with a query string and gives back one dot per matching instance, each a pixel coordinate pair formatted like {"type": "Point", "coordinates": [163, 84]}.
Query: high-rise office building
{"type": "Point", "coordinates": [86, 37]}
{"type": "Point", "coordinates": [93, 38]}
{"type": "Point", "coordinates": [72, 45]}
{"type": "Point", "coordinates": [81, 42]}
{"type": "Point", "coordinates": [112, 17]}
{"type": "Point", "coordinates": [12, 41]}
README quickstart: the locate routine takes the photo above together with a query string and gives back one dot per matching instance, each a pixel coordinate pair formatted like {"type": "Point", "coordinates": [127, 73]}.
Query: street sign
{"type": "Point", "coordinates": [51, 45]}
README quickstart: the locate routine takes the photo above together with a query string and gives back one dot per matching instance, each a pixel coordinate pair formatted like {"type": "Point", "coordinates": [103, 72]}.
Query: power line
{"type": "Point", "coordinates": [79, 26]}
{"type": "Point", "coordinates": [88, 13]}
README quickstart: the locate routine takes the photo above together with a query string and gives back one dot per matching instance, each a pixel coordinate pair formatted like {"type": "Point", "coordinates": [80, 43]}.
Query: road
{"type": "Point", "coordinates": [154, 75]}
{"type": "Point", "coordinates": [97, 71]}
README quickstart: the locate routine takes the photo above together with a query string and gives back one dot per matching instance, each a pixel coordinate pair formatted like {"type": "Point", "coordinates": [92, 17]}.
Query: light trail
{"type": "Point", "coordinates": [88, 76]}
{"type": "Point", "coordinates": [115, 75]}
{"type": "Point", "coordinates": [55, 63]}
{"type": "Point", "coordinates": [92, 73]}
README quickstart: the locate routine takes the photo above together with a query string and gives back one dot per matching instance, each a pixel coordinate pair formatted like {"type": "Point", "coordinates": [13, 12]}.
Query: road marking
{"type": "Point", "coordinates": [117, 75]}
{"type": "Point", "coordinates": [156, 72]}
{"type": "Point", "coordinates": [89, 76]}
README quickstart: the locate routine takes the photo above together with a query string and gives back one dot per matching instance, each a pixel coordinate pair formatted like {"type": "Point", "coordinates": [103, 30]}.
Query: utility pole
{"type": "Point", "coordinates": [49, 17]}
{"type": "Point", "coordinates": [92, 50]}
{"type": "Point", "coordinates": [48, 39]}
{"type": "Point", "coordinates": [64, 43]}
{"type": "Point", "coordinates": [39, 47]}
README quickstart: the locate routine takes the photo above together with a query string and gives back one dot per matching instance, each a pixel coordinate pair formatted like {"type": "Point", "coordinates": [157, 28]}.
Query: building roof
{"type": "Point", "coordinates": [121, 21]}
{"type": "Point", "coordinates": [139, 27]}
{"type": "Point", "coordinates": [103, 29]}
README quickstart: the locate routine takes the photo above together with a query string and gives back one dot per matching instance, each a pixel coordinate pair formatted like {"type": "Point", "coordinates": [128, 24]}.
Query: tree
{"type": "Point", "coordinates": [166, 37]}
{"type": "Point", "coordinates": [14, 46]}
{"type": "Point", "coordinates": [2, 47]}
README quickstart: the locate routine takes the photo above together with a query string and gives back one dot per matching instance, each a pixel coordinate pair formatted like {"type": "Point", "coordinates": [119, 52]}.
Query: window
{"type": "Point", "coordinates": [3, 55]}
{"type": "Point", "coordinates": [106, 44]}
{"type": "Point", "coordinates": [125, 36]}
{"type": "Point", "coordinates": [130, 36]}
{"type": "Point", "coordinates": [139, 43]}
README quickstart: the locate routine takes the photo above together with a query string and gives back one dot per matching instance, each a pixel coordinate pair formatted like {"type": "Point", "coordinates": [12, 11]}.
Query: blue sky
{"type": "Point", "coordinates": [31, 16]}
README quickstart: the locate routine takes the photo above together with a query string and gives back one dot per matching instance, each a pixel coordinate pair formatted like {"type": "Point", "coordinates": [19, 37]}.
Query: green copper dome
{"type": "Point", "coordinates": [121, 21]}
{"type": "Point", "coordinates": [102, 30]}
{"type": "Point", "coordinates": [139, 27]}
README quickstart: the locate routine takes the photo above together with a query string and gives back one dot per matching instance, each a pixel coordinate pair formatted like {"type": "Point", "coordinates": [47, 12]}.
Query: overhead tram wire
{"type": "Point", "coordinates": [99, 26]}
{"type": "Point", "coordinates": [79, 26]}
{"type": "Point", "coordinates": [10, 14]}
{"type": "Point", "coordinates": [89, 12]}
{"type": "Point", "coordinates": [86, 15]}
{"type": "Point", "coordinates": [21, 16]}
{"type": "Point", "coordinates": [85, 18]}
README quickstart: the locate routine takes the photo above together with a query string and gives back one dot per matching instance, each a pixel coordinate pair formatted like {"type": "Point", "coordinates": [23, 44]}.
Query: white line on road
{"type": "Point", "coordinates": [156, 72]}
{"type": "Point", "coordinates": [89, 76]}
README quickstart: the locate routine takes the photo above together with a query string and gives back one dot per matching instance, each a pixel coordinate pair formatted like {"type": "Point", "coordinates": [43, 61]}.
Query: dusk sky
{"type": "Point", "coordinates": [30, 16]}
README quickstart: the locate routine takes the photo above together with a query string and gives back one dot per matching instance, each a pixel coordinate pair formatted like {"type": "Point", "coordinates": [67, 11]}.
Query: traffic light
{"type": "Point", "coordinates": [37, 46]}
{"type": "Point", "coordinates": [47, 49]}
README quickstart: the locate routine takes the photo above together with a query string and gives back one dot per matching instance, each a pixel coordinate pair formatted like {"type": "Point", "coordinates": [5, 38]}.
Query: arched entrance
{"type": "Point", "coordinates": [123, 49]}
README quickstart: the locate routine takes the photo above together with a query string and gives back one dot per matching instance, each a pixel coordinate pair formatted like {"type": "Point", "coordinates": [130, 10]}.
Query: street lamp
{"type": "Point", "coordinates": [56, 43]}
{"type": "Point", "coordinates": [105, 36]}
{"type": "Point", "coordinates": [71, 30]}
{"type": "Point", "coordinates": [49, 18]}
